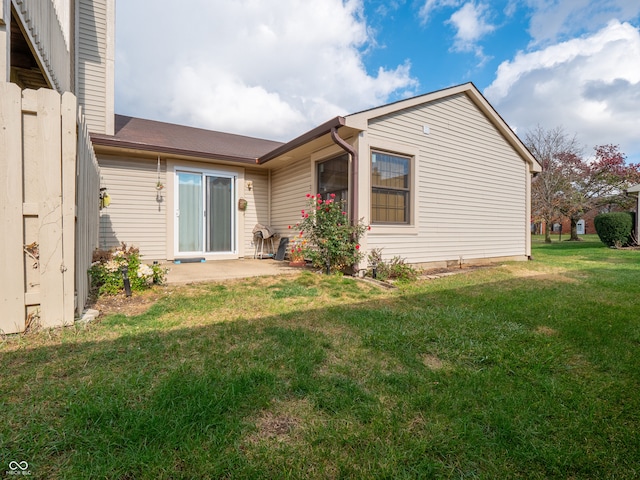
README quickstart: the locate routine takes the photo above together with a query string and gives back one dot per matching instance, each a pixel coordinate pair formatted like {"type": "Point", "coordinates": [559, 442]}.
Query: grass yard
{"type": "Point", "coordinates": [525, 370]}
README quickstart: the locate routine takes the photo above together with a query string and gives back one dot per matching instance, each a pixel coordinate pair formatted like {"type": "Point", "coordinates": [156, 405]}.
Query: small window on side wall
{"type": "Point", "coordinates": [390, 188]}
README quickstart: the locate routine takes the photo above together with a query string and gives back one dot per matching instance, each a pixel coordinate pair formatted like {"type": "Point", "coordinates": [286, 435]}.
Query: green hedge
{"type": "Point", "coordinates": [614, 229]}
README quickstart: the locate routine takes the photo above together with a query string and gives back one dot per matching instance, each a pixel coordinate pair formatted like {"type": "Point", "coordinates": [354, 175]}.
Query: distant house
{"type": "Point", "coordinates": [584, 226]}
{"type": "Point", "coordinates": [439, 177]}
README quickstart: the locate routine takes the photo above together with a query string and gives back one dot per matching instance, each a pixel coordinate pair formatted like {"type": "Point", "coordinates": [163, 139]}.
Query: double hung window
{"type": "Point", "coordinates": [390, 188]}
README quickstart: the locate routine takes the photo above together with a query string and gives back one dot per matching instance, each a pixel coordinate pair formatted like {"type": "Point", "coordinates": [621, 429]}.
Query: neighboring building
{"type": "Point", "coordinates": [584, 226]}
{"type": "Point", "coordinates": [439, 177]}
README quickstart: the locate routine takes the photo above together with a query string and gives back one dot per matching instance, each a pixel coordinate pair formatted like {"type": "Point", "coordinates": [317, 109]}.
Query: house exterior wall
{"type": "Point", "coordinates": [469, 186]}
{"type": "Point", "coordinates": [63, 10]}
{"type": "Point", "coordinates": [135, 216]}
{"type": "Point", "coordinates": [95, 54]}
{"type": "Point", "coordinates": [289, 186]}
{"type": "Point", "coordinates": [256, 193]}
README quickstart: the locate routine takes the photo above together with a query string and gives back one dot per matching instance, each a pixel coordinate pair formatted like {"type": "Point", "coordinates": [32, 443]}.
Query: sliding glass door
{"type": "Point", "coordinates": [190, 212]}
{"type": "Point", "coordinates": [220, 224]}
{"type": "Point", "coordinates": [204, 213]}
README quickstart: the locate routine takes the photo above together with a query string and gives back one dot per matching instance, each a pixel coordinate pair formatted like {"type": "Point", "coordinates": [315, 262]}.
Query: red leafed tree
{"type": "Point", "coordinates": [594, 182]}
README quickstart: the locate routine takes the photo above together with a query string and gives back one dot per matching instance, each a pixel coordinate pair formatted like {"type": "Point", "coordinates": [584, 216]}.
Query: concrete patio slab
{"type": "Point", "coordinates": [220, 270]}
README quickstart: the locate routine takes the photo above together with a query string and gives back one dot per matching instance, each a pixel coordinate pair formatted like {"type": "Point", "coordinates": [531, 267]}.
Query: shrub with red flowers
{"type": "Point", "coordinates": [332, 240]}
{"type": "Point", "coordinates": [297, 249]}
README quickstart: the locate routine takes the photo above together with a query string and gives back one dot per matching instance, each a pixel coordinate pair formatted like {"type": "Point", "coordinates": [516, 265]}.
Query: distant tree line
{"type": "Point", "coordinates": [571, 183]}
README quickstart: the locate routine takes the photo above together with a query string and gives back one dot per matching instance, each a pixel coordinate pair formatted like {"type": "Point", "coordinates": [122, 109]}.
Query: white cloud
{"type": "Point", "coordinates": [588, 85]}
{"type": "Point", "coordinates": [430, 6]}
{"type": "Point", "coordinates": [273, 68]}
{"type": "Point", "coordinates": [553, 20]}
{"type": "Point", "coordinates": [511, 8]}
{"type": "Point", "coordinates": [229, 104]}
{"type": "Point", "coordinates": [471, 24]}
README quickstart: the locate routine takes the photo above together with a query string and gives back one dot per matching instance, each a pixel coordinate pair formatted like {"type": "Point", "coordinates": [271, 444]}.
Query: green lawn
{"type": "Point", "coordinates": [524, 370]}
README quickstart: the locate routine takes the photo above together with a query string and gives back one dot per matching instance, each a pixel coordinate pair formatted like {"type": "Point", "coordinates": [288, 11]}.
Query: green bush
{"type": "Point", "coordinates": [394, 269]}
{"type": "Point", "coordinates": [614, 229]}
{"type": "Point", "coordinates": [106, 271]}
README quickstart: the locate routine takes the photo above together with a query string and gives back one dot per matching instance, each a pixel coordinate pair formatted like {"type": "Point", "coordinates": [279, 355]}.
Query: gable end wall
{"type": "Point", "coordinates": [471, 191]}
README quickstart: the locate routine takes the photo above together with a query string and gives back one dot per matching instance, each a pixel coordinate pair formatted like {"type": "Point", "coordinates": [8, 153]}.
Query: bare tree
{"type": "Point", "coordinates": [550, 147]}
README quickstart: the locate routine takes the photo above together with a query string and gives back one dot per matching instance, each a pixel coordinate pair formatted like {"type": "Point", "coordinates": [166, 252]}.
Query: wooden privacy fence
{"type": "Point", "coordinates": [87, 211]}
{"type": "Point", "coordinates": [40, 148]}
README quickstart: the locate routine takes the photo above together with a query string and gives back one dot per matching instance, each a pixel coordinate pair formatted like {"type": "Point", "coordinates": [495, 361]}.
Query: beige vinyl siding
{"type": "Point", "coordinates": [289, 186]}
{"type": "Point", "coordinates": [471, 189]}
{"type": "Point", "coordinates": [257, 206]}
{"type": "Point", "coordinates": [95, 63]}
{"type": "Point", "coordinates": [135, 213]}
{"type": "Point", "coordinates": [63, 11]}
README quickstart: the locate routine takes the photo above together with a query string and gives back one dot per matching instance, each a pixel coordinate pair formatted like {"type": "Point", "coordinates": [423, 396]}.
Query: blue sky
{"type": "Point", "coordinates": [277, 68]}
{"type": "Point", "coordinates": [439, 56]}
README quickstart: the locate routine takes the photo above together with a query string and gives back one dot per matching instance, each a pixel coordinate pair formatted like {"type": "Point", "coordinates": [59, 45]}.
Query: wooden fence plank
{"type": "Point", "coordinates": [50, 216]}
{"type": "Point", "coordinates": [12, 309]}
{"type": "Point", "coordinates": [31, 195]}
{"type": "Point", "coordinates": [69, 144]}
{"type": "Point", "coordinates": [87, 209]}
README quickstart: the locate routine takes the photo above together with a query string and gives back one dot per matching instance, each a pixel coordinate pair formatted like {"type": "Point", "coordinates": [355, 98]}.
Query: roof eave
{"type": "Point", "coordinates": [635, 189]}
{"type": "Point", "coordinates": [307, 137]}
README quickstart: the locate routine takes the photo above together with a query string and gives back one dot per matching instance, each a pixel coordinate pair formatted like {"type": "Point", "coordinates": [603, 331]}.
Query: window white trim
{"type": "Point", "coordinates": [381, 145]}
{"type": "Point", "coordinates": [381, 188]}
